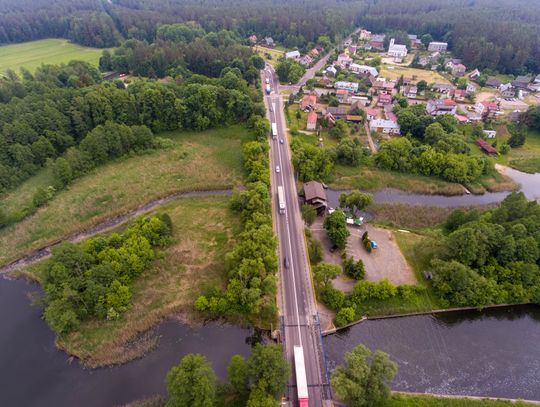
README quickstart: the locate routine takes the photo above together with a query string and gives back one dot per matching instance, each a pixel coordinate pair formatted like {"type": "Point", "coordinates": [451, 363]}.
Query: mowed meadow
{"type": "Point", "coordinates": [196, 161]}
{"type": "Point", "coordinates": [32, 54]}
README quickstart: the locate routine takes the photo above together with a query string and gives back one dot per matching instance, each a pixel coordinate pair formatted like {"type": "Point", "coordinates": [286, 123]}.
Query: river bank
{"type": "Point", "coordinates": [490, 353]}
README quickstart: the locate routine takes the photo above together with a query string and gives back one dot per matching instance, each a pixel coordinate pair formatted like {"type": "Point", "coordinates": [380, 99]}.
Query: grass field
{"type": "Point", "coordinates": [204, 228]}
{"type": "Point", "coordinates": [32, 54]}
{"type": "Point", "coordinates": [372, 178]}
{"type": "Point", "coordinates": [421, 74]}
{"type": "Point", "coordinates": [275, 54]}
{"type": "Point", "coordinates": [432, 401]}
{"type": "Point", "coordinates": [198, 161]}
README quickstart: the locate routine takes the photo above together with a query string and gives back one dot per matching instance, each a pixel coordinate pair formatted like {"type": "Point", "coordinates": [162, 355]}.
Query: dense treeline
{"type": "Point", "coordinates": [252, 264]}
{"type": "Point", "coordinates": [92, 279]}
{"type": "Point", "coordinates": [184, 47]}
{"type": "Point", "coordinates": [491, 257]}
{"type": "Point", "coordinates": [44, 115]}
{"type": "Point", "coordinates": [502, 35]}
{"type": "Point", "coordinates": [258, 381]}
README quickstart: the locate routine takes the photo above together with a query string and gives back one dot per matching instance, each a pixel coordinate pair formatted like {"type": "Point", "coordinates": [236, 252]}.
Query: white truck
{"type": "Point", "coordinates": [281, 199]}
{"type": "Point", "coordinates": [274, 131]}
{"type": "Point", "coordinates": [268, 90]}
{"type": "Point", "coordinates": [301, 380]}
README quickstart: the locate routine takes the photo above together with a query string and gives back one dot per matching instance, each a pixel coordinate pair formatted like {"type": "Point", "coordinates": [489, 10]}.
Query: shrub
{"type": "Point", "coordinates": [345, 316]}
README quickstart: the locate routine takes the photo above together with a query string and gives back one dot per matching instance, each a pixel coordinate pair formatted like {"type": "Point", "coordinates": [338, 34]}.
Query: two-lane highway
{"type": "Point", "coordinates": [297, 303]}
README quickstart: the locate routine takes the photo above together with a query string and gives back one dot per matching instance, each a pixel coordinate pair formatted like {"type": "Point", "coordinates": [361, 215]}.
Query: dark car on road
{"type": "Point", "coordinates": [286, 262]}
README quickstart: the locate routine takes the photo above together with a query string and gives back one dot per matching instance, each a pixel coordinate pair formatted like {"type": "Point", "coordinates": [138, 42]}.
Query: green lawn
{"type": "Point", "coordinates": [432, 401]}
{"type": "Point", "coordinates": [264, 52]}
{"type": "Point", "coordinates": [203, 231]}
{"type": "Point", "coordinates": [198, 161]}
{"type": "Point", "coordinates": [32, 54]}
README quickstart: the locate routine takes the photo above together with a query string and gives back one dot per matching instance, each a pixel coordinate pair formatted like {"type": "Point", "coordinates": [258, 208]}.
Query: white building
{"type": "Point", "coordinates": [437, 46]}
{"type": "Point", "coordinates": [397, 51]}
{"type": "Point", "coordinates": [349, 86]}
{"type": "Point", "coordinates": [293, 55]}
{"type": "Point", "coordinates": [384, 126]}
{"type": "Point", "coordinates": [363, 69]}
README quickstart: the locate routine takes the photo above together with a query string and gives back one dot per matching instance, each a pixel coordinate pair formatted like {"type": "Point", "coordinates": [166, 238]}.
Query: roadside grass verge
{"type": "Point", "coordinates": [198, 161]}
{"type": "Point", "coordinates": [31, 55]}
{"type": "Point", "coordinates": [203, 231]}
{"type": "Point", "coordinates": [402, 400]}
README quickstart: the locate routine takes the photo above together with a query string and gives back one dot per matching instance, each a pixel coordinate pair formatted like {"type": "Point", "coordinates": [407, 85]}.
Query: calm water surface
{"type": "Point", "coordinates": [492, 353]}
{"type": "Point", "coordinates": [34, 373]}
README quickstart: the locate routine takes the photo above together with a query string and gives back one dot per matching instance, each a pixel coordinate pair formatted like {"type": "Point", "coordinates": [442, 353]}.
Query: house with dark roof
{"type": "Point", "coordinates": [486, 147]}
{"type": "Point", "coordinates": [441, 87]}
{"type": "Point", "coordinates": [315, 195]}
{"type": "Point", "coordinates": [493, 83]}
{"type": "Point", "coordinates": [436, 107]}
{"type": "Point", "coordinates": [521, 82]}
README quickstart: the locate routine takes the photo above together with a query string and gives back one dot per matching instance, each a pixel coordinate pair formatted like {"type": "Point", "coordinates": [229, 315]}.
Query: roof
{"type": "Point", "coordinates": [309, 99]}
{"type": "Point", "coordinates": [488, 148]}
{"type": "Point", "coordinates": [342, 92]}
{"type": "Point", "coordinates": [372, 112]}
{"type": "Point", "coordinates": [390, 124]}
{"type": "Point", "coordinates": [493, 82]}
{"type": "Point", "coordinates": [292, 54]}
{"type": "Point", "coordinates": [442, 86]}
{"type": "Point", "coordinates": [353, 118]}
{"type": "Point", "coordinates": [385, 98]}
{"type": "Point", "coordinates": [337, 110]}
{"type": "Point", "coordinates": [490, 105]}
{"type": "Point", "coordinates": [459, 66]}
{"type": "Point", "coordinates": [391, 116]}
{"type": "Point", "coordinates": [314, 189]}
{"type": "Point", "coordinates": [312, 117]}
{"type": "Point", "coordinates": [461, 119]}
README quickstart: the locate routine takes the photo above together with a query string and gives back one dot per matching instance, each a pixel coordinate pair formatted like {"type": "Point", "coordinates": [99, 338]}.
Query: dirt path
{"type": "Point", "coordinates": [108, 224]}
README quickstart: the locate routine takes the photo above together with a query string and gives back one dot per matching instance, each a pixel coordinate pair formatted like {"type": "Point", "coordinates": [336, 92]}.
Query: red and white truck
{"type": "Point", "coordinates": [301, 380]}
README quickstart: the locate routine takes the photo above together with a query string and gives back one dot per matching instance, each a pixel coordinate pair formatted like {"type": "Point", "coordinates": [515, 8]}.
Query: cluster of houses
{"type": "Point", "coordinates": [306, 59]}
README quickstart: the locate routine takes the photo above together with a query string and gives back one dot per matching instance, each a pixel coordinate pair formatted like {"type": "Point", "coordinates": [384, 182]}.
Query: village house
{"type": "Point", "coordinates": [344, 60]}
{"type": "Point", "coordinates": [311, 121]}
{"type": "Point", "coordinates": [414, 41]}
{"type": "Point", "coordinates": [490, 133]}
{"type": "Point", "coordinates": [353, 118]}
{"type": "Point", "coordinates": [381, 85]}
{"type": "Point", "coordinates": [352, 49]}
{"type": "Point", "coordinates": [458, 94]}
{"type": "Point", "coordinates": [338, 112]}
{"type": "Point", "coordinates": [486, 147]}
{"type": "Point", "coordinates": [474, 75]}
{"type": "Point", "coordinates": [363, 69]}
{"type": "Point", "coordinates": [384, 99]}
{"type": "Point", "coordinates": [376, 42]}
{"type": "Point", "coordinates": [269, 42]}
{"type": "Point", "coordinates": [514, 117]}
{"type": "Point", "coordinates": [507, 91]}
{"type": "Point", "coordinates": [326, 82]}
{"type": "Point", "coordinates": [364, 35]}
{"type": "Point", "coordinates": [410, 92]}
{"type": "Point", "coordinates": [371, 113]}
{"type": "Point", "coordinates": [252, 39]}
{"type": "Point", "coordinates": [471, 88]}
{"type": "Point", "coordinates": [390, 115]}
{"type": "Point", "coordinates": [521, 82]}
{"type": "Point", "coordinates": [331, 71]}
{"type": "Point", "coordinates": [306, 60]}
{"type": "Point", "coordinates": [450, 62]}
{"type": "Point", "coordinates": [308, 102]}
{"type": "Point", "coordinates": [458, 70]}
{"type": "Point", "coordinates": [441, 87]}
{"type": "Point", "coordinates": [437, 46]}
{"type": "Point", "coordinates": [462, 119]}
{"type": "Point", "coordinates": [436, 107]}
{"type": "Point", "coordinates": [330, 119]}
{"type": "Point", "coordinates": [314, 53]}
{"type": "Point", "coordinates": [534, 87]}
{"type": "Point", "coordinates": [384, 126]}
{"type": "Point", "coordinates": [315, 195]}
{"type": "Point", "coordinates": [397, 51]}
{"type": "Point", "coordinates": [493, 83]}
{"type": "Point", "coordinates": [293, 55]}
{"type": "Point", "coordinates": [486, 109]}
{"type": "Point", "coordinates": [343, 96]}
{"type": "Point", "coordinates": [360, 100]}
{"type": "Point", "coordinates": [350, 86]}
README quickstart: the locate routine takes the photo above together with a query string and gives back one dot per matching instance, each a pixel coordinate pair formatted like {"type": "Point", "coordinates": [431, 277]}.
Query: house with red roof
{"type": "Point", "coordinates": [458, 94]}
{"type": "Point", "coordinates": [486, 147]}
{"type": "Point", "coordinates": [436, 107]}
{"type": "Point", "coordinates": [311, 121]}
{"type": "Point", "coordinates": [486, 109]}
{"type": "Point", "coordinates": [308, 102]}
{"type": "Point", "coordinates": [384, 99]}
{"type": "Point", "coordinates": [343, 96]}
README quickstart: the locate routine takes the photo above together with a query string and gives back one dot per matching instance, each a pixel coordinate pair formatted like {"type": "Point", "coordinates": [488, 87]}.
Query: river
{"type": "Point", "coordinates": [35, 373]}
{"type": "Point", "coordinates": [493, 353]}
{"type": "Point", "coordinates": [529, 185]}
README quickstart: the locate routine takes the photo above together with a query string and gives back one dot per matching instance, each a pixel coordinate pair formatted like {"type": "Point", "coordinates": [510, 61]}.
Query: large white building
{"type": "Point", "coordinates": [363, 69]}
{"type": "Point", "coordinates": [437, 46]}
{"type": "Point", "coordinates": [293, 55]}
{"type": "Point", "coordinates": [397, 51]}
{"type": "Point", "coordinates": [384, 126]}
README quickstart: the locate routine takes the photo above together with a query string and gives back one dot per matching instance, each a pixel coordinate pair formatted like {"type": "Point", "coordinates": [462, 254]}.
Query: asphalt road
{"type": "Point", "coordinates": [297, 304]}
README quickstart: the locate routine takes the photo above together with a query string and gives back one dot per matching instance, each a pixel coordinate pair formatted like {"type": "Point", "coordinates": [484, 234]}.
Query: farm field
{"type": "Point", "coordinates": [197, 161]}
{"type": "Point", "coordinates": [421, 74]}
{"type": "Point", "coordinates": [32, 54]}
{"type": "Point", "coordinates": [203, 231]}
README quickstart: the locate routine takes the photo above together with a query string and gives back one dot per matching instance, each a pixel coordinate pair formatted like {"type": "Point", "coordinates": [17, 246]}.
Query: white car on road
{"type": "Point", "coordinates": [277, 168]}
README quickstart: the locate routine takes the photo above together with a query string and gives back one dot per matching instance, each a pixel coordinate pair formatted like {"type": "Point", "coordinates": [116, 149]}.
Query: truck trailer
{"type": "Point", "coordinates": [274, 131]}
{"type": "Point", "coordinates": [281, 199]}
{"type": "Point", "coordinates": [301, 380]}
